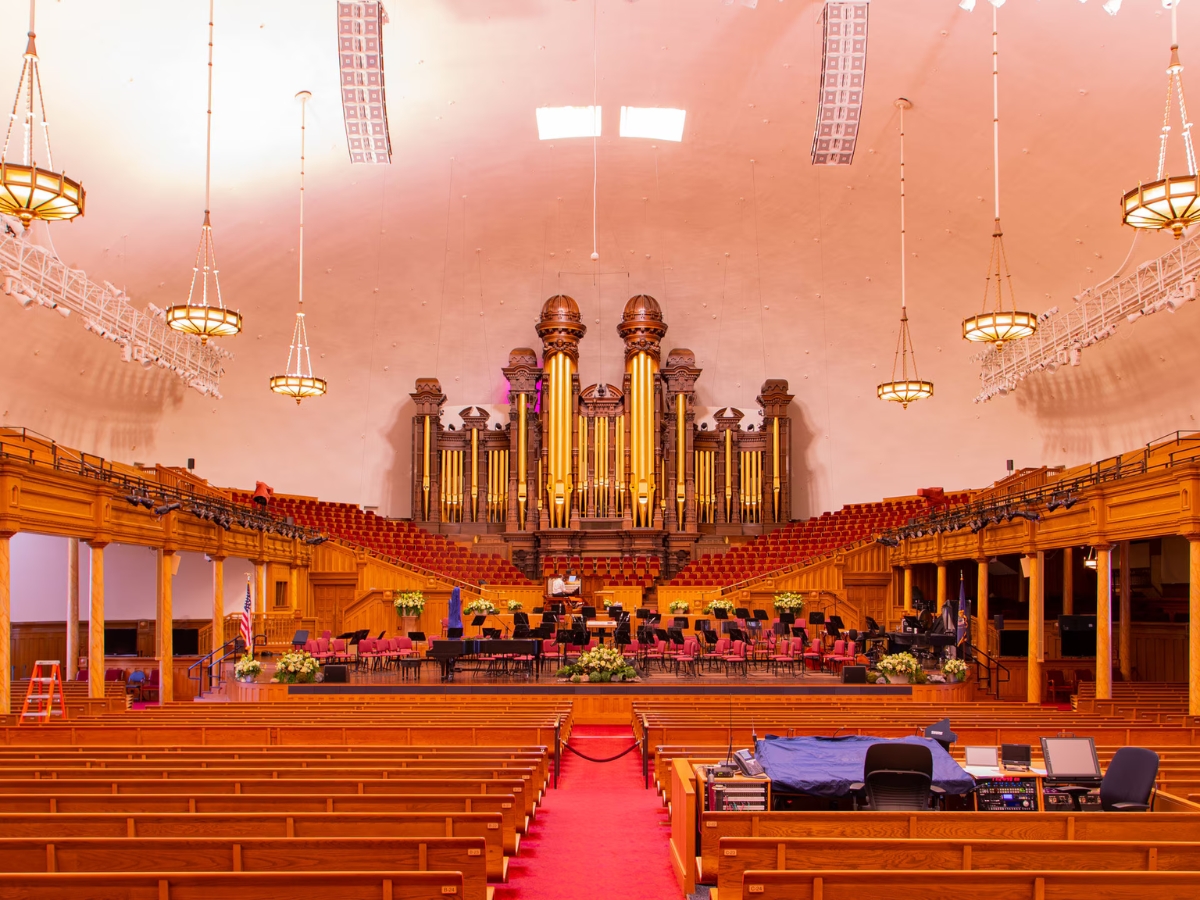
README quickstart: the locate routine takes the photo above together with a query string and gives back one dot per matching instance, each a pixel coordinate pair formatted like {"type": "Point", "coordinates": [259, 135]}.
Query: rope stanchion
{"type": "Point", "coordinates": [624, 752]}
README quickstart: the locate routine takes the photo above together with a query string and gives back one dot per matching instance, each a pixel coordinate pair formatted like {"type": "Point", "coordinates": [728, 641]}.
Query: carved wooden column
{"type": "Point", "coordinates": [561, 328]}
{"type": "Point", "coordinates": [981, 600]}
{"type": "Point", "coordinates": [522, 373]}
{"type": "Point", "coordinates": [908, 589]}
{"type": "Point", "coordinates": [679, 381]}
{"type": "Point", "coordinates": [218, 603]}
{"type": "Point", "coordinates": [774, 399]}
{"type": "Point", "coordinates": [1037, 625]}
{"type": "Point", "coordinates": [642, 329]}
{"type": "Point", "coordinates": [96, 622]}
{"type": "Point", "coordinates": [941, 584]}
{"type": "Point", "coordinates": [164, 625]}
{"type": "Point", "coordinates": [427, 426]}
{"type": "Point", "coordinates": [1103, 622]}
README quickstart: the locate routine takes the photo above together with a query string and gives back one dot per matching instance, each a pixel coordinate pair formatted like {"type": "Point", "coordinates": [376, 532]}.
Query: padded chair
{"type": "Point", "coordinates": [896, 776]}
{"type": "Point", "coordinates": [1128, 784]}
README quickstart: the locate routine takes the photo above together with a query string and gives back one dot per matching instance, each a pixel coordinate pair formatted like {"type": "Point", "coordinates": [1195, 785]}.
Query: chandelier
{"type": "Point", "coordinates": [28, 191]}
{"type": "Point", "coordinates": [200, 316]}
{"type": "Point", "coordinates": [298, 380]}
{"type": "Point", "coordinates": [1170, 201]}
{"type": "Point", "coordinates": [904, 390]}
{"type": "Point", "coordinates": [999, 323]}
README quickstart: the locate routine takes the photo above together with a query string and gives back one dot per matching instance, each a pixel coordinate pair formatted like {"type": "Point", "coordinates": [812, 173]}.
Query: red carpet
{"type": "Point", "coordinates": [601, 833]}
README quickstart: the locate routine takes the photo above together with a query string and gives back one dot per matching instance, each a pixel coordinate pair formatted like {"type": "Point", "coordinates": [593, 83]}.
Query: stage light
{"type": "Point", "coordinates": [133, 499]}
{"type": "Point", "coordinates": [167, 507]}
{"type": "Point", "coordinates": [1070, 501]}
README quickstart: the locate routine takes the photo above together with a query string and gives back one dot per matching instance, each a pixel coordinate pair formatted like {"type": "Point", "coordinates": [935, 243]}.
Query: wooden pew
{"type": "Point", "coordinates": [737, 855]}
{"type": "Point", "coordinates": [360, 854]}
{"type": "Point", "coordinates": [982, 885]}
{"type": "Point", "coordinates": [483, 826]}
{"type": "Point", "coordinates": [389, 885]}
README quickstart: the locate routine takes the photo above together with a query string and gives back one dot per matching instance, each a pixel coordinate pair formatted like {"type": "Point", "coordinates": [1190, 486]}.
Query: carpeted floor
{"type": "Point", "coordinates": [601, 833]}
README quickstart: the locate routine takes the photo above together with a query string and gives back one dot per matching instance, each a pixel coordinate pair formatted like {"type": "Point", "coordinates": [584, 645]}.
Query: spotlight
{"type": "Point", "coordinates": [977, 525]}
{"type": "Point", "coordinates": [1069, 501]}
{"type": "Point", "coordinates": [316, 539]}
{"type": "Point", "coordinates": [888, 541]}
{"type": "Point", "coordinates": [146, 502]}
{"type": "Point", "coordinates": [167, 507]}
{"type": "Point", "coordinates": [133, 499]}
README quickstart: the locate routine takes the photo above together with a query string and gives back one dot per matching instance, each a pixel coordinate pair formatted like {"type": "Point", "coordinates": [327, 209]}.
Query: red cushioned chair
{"type": "Point", "coordinates": [736, 658]}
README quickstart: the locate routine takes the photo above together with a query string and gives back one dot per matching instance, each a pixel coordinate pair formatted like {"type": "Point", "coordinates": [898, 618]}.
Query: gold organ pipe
{"type": "Point", "coordinates": [756, 461]}
{"type": "Point", "coordinates": [728, 474]}
{"type": "Point", "coordinates": [474, 474]}
{"type": "Point", "coordinates": [584, 469]}
{"type": "Point", "coordinates": [425, 468]}
{"type": "Point", "coordinates": [680, 457]}
{"type": "Point", "coordinates": [443, 483]}
{"type": "Point", "coordinates": [775, 463]}
{"type": "Point", "coordinates": [621, 464]}
{"type": "Point", "coordinates": [522, 440]}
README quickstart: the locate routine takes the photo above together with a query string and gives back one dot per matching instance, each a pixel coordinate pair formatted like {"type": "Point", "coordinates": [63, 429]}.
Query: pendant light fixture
{"type": "Point", "coordinates": [28, 191]}
{"type": "Point", "coordinates": [1170, 201]}
{"type": "Point", "coordinates": [205, 315]}
{"type": "Point", "coordinates": [999, 323]}
{"type": "Point", "coordinates": [904, 390]}
{"type": "Point", "coordinates": [298, 380]}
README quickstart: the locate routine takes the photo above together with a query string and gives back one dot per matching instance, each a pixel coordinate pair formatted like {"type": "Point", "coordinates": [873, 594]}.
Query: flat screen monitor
{"type": "Point", "coordinates": [1078, 643]}
{"type": "Point", "coordinates": [120, 642]}
{"type": "Point", "coordinates": [186, 641]}
{"type": "Point", "coordinates": [985, 757]}
{"type": "Point", "coordinates": [1069, 757]}
{"type": "Point", "coordinates": [1016, 756]}
{"type": "Point", "coordinates": [572, 579]}
{"type": "Point", "coordinates": [1014, 642]}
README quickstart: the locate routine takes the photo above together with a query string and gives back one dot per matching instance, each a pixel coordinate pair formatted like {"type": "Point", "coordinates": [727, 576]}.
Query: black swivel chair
{"type": "Point", "coordinates": [896, 776]}
{"type": "Point", "coordinates": [1128, 784]}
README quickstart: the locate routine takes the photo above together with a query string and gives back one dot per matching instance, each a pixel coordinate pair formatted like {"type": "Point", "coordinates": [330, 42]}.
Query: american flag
{"type": "Point", "coordinates": [247, 627]}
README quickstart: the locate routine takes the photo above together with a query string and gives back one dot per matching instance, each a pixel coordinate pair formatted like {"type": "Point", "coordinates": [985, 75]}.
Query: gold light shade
{"type": "Point", "coordinates": [905, 392]}
{"type": "Point", "coordinates": [1172, 202]}
{"type": "Point", "coordinates": [205, 321]}
{"type": "Point", "coordinates": [1000, 327]}
{"type": "Point", "coordinates": [298, 386]}
{"type": "Point", "coordinates": [28, 193]}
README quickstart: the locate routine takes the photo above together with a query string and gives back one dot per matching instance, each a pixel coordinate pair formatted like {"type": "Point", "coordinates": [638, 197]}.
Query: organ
{"type": "Point", "coordinates": [602, 469]}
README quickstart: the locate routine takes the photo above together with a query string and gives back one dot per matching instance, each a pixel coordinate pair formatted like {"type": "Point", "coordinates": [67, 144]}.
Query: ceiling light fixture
{"type": "Point", "coordinates": [28, 191]}
{"type": "Point", "coordinates": [202, 318]}
{"type": "Point", "coordinates": [904, 390]}
{"type": "Point", "coordinates": [998, 325]}
{"type": "Point", "coordinates": [1089, 561]}
{"type": "Point", "coordinates": [298, 380]}
{"type": "Point", "coordinates": [567, 122]}
{"type": "Point", "coordinates": [660, 123]}
{"type": "Point", "coordinates": [364, 100]}
{"type": "Point", "coordinates": [1170, 201]}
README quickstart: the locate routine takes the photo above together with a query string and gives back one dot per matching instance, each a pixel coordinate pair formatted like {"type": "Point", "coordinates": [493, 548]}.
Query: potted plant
{"type": "Point", "coordinates": [789, 601]}
{"type": "Point", "coordinates": [515, 606]}
{"type": "Point", "coordinates": [600, 666]}
{"type": "Point", "coordinates": [678, 606]}
{"type": "Point", "coordinates": [247, 669]}
{"type": "Point", "coordinates": [726, 605]}
{"type": "Point", "coordinates": [899, 668]}
{"type": "Point", "coordinates": [955, 670]}
{"type": "Point", "coordinates": [296, 667]}
{"type": "Point", "coordinates": [479, 607]}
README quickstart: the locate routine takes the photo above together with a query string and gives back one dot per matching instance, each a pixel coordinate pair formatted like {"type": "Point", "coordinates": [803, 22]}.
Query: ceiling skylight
{"type": "Point", "coordinates": [660, 123]}
{"type": "Point", "coordinates": [568, 122]}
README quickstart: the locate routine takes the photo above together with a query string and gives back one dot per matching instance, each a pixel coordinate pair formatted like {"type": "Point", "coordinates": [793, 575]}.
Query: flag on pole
{"type": "Point", "coordinates": [247, 625]}
{"type": "Point", "coordinates": [964, 611]}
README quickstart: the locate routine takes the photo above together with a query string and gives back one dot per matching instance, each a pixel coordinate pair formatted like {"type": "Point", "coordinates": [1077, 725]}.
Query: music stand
{"type": "Point", "coordinates": [742, 613]}
{"type": "Point", "coordinates": [478, 622]}
{"type": "Point", "coordinates": [681, 622]}
{"type": "Point", "coordinates": [787, 618]}
{"type": "Point", "coordinates": [454, 634]}
{"type": "Point", "coordinates": [836, 622]}
{"type": "Point", "coordinates": [816, 618]}
{"type": "Point", "coordinates": [703, 625]}
{"type": "Point", "coordinates": [761, 615]}
{"type": "Point", "coordinates": [417, 637]}
{"type": "Point", "coordinates": [588, 612]}
{"type": "Point", "coordinates": [522, 633]}
{"type": "Point", "coordinates": [520, 618]}
{"type": "Point", "coordinates": [492, 633]}
{"type": "Point", "coordinates": [720, 613]}
{"type": "Point", "coordinates": [642, 613]}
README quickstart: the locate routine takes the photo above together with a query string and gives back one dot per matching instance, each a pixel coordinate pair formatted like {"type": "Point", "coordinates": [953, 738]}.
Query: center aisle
{"type": "Point", "coordinates": [600, 834]}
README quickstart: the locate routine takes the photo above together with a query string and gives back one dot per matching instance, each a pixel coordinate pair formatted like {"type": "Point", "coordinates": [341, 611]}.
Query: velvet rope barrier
{"type": "Point", "coordinates": [624, 752]}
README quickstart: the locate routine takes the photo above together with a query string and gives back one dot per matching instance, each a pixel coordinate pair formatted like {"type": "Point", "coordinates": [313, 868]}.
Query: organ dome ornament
{"type": "Point", "coordinates": [999, 323]}
{"type": "Point", "coordinates": [206, 315]}
{"type": "Point", "coordinates": [28, 191]}
{"type": "Point", "coordinates": [298, 380]}
{"type": "Point", "coordinates": [905, 389]}
{"type": "Point", "coordinates": [1170, 201]}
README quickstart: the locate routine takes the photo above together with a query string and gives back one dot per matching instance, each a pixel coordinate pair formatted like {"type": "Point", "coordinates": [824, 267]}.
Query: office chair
{"type": "Point", "coordinates": [1128, 784]}
{"type": "Point", "coordinates": [896, 776]}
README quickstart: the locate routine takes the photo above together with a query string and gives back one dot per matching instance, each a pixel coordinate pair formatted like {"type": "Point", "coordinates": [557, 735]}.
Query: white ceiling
{"type": "Point", "coordinates": [437, 265]}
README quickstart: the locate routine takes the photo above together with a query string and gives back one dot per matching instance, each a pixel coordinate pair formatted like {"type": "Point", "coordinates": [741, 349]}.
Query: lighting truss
{"type": "Point", "coordinates": [31, 274]}
{"type": "Point", "coordinates": [364, 103]}
{"type": "Point", "coordinates": [843, 74]}
{"type": "Point", "coordinates": [1164, 283]}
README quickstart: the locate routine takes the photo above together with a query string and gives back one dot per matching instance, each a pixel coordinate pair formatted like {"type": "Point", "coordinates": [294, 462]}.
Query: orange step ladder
{"type": "Point", "coordinates": [41, 692]}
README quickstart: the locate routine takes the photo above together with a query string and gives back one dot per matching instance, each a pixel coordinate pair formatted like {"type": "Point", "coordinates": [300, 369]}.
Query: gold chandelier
{"type": "Point", "coordinates": [1170, 201]}
{"type": "Point", "coordinates": [298, 380]}
{"type": "Point", "coordinates": [198, 316]}
{"type": "Point", "coordinates": [28, 191]}
{"type": "Point", "coordinates": [904, 390]}
{"type": "Point", "coordinates": [1001, 323]}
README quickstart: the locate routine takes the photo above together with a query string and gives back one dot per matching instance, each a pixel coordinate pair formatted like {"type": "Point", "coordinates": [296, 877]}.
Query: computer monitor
{"type": "Point", "coordinates": [1016, 756]}
{"type": "Point", "coordinates": [1070, 757]}
{"type": "Point", "coordinates": [984, 757]}
{"type": "Point", "coordinates": [572, 579]}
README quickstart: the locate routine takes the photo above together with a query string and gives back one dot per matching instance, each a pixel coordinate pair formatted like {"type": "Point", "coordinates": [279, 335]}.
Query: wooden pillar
{"type": "Point", "coordinates": [260, 587]}
{"type": "Point", "coordinates": [1124, 636]}
{"type": "Point", "coordinates": [96, 624]}
{"type": "Point", "coordinates": [5, 627]}
{"type": "Point", "coordinates": [294, 572]}
{"type": "Point", "coordinates": [218, 603]}
{"type": "Point", "coordinates": [908, 590]}
{"type": "Point", "coordinates": [941, 586]}
{"type": "Point", "coordinates": [1033, 693]}
{"type": "Point", "coordinates": [71, 663]}
{"type": "Point", "coordinates": [1068, 581]}
{"type": "Point", "coordinates": [981, 602]}
{"type": "Point", "coordinates": [163, 626]}
{"type": "Point", "coordinates": [1194, 626]}
{"type": "Point", "coordinates": [1103, 622]}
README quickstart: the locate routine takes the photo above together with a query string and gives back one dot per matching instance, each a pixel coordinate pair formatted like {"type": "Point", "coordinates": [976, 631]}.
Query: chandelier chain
{"type": "Point", "coordinates": [996, 111]}
{"type": "Point", "coordinates": [208, 134]}
{"type": "Point", "coordinates": [1166, 131]}
{"type": "Point", "coordinates": [1186, 123]}
{"type": "Point", "coordinates": [903, 253]}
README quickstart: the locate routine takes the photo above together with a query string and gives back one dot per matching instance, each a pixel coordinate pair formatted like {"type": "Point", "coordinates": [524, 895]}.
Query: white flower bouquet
{"type": "Point", "coordinates": [678, 606]}
{"type": "Point", "coordinates": [480, 607]}
{"type": "Point", "coordinates": [409, 603]}
{"type": "Point", "coordinates": [602, 664]}
{"type": "Point", "coordinates": [247, 668]}
{"type": "Point", "coordinates": [955, 669]}
{"type": "Point", "coordinates": [296, 667]}
{"type": "Point", "coordinates": [789, 601]}
{"type": "Point", "coordinates": [515, 606]}
{"type": "Point", "coordinates": [726, 605]}
{"type": "Point", "coordinates": [900, 667]}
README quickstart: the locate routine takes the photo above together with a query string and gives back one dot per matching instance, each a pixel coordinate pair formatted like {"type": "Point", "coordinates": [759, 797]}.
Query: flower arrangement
{"type": "Point", "coordinates": [678, 606]}
{"type": "Point", "coordinates": [480, 607]}
{"type": "Point", "coordinates": [603, 664]}
{"type": "Point", "coordinates": [899, 667]}
{"type": "Point", "coordinates": [296, 667]}
{"type": "Point", "coordinates": [247, 668]}
{"type": "Point", "coordinates": [409, 603]}
{"type": "Point", "coordinates": [726, 605]}
{"type": "Point", "coordinates": [789, 601]}
{"type": "Point", "coordinates": [515, 606]}
{"type": "Point", "coordinates": [954, 669]}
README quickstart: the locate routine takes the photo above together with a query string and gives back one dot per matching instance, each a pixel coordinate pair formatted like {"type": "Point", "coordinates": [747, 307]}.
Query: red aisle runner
{"type": "Point", "coordinates": [601, 833]}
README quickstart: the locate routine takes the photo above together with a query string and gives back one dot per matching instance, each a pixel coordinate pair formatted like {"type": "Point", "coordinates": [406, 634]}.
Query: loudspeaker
{"type": "Point", "coordinates": [998, 621]}
{"type": "Point", "coordinates": [336, 674]}
{"type": "Point", "coordinates": [1076, 623]}
{"type": "Point", "coordinates": [854, 674]}
{"type": "Point", "coordinates": [1025, 564]}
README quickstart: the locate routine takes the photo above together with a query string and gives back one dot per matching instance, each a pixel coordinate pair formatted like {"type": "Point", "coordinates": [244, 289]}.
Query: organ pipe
{"type": "Point", "coordinates": [680, 457]}
{"type": "Point", "coordinates": [584, 472]}
{"type": "Point", "coordinates": [602, 466]}
{"type": "Point", "coordinates": [728, 475]}
{"type": "Point", "coordinates": [559, 484]}
{"type": "Point", "coordinates": [425, 468]}
{"type": "Point", "coordinates": [775, 463]}
{"type": "Point", "coordinates": [522, 444]}
{"type": "Point", "coordinates": [642, 368]}
{"type": "Point", "coordinates": [621, 464]}
{"type": "Point", "coordinates": [474, 474]}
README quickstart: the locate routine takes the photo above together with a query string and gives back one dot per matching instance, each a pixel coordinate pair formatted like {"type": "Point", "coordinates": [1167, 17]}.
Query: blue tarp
{"type": "Point", "coordinates": [826, 767]}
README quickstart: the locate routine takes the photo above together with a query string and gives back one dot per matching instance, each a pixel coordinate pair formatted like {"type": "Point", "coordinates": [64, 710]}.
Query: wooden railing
{"type": "Point", "coordinates": [277, 627]}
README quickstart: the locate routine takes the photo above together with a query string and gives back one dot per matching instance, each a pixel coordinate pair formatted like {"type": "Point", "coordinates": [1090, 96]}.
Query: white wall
{"type": "Point", "coordinates": [39, 582]}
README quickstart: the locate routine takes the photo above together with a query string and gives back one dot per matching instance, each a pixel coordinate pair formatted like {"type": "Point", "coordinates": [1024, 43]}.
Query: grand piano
{"type": "Point", "coordinates": [448, 653]}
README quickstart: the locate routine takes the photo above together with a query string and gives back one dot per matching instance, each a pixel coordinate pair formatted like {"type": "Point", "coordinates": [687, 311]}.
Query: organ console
{"type": "Point", "coordinates": [600, 469]}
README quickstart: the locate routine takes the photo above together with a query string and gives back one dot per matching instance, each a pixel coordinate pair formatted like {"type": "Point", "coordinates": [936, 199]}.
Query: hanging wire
{"type": "Point", "coordinates": [595, 136]}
